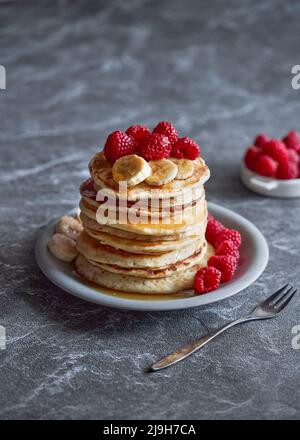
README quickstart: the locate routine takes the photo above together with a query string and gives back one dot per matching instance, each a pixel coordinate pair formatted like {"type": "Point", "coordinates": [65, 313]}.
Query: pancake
{"type": "Point", "coordinates": [101, 173]}
{"type": "Point", "coordinates": [150, 209]}
{"type": "Point", "coordinates": [160, 272]}
{"type": "Point", "coordinates": [94, 250]}
{"type": "Point", "coordinates": [139, 246]}
{"type": "Point", "coordinates": [171, 284]}
{"type": "Point", "coordinates": [93, 225]}
{"type": "Point", "coordinates": [140, 213]}
{"type": "Point", "coordinates": [187, 223]}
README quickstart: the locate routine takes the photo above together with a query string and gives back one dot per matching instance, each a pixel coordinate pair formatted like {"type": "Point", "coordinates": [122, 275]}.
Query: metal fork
{"type": "Point", "coordinates": [269, 308]}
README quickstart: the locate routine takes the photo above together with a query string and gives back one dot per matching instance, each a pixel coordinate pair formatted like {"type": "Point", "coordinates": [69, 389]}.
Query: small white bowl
{"type": "Point", "coordinates": [270, 187]}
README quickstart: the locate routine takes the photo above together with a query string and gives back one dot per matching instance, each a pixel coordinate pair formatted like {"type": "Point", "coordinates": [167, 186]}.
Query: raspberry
{"type": "Point", "coordinates": [261, 140]}
{"type": "Point", "coordinates": [206, 280]}
{"type": "Point", "coordinates": [167, 129]}
{"type": "Point", "coordinates": [186, 148]}
{"type": "Point", "coordinates": [225, 264]}
{"type": "Point", "coordinates": [277, 150]}
{"type": "Point", "coordinates": [292, 140]}
{"type": "Point", "coordinates": [251, 155]}
{"type": "Point", "coordinates": [154, 147]}
{"type": "Point", "coordinates": [138, 132]}
{"type": "Point", "coordinates": [229, 234]}
{"type": "Point", "coordinates": [213, 229]}
{"type": "Point", "coordinates": [227, 247]}
{"type": "Point", "coordinates": [287, 170]}
{"type": "Point", "coordinates": [118, 144]}
{"type": "Point", "coordinates": [265, 166]}
{"type": "Point", "coordinates": [294, 156]}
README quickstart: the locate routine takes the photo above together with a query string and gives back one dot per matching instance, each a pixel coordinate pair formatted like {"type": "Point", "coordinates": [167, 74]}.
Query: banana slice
{"type": "Point", "coordinates": [185, 168]}
{"type": "Point", "coordinates": [63, 247]}
{"type": "Point", "coordinates": [133, 169]}
{"type": "Point", "coordinates": [69, 226]}
{"type": "Point", "coordinates": [163, 171]}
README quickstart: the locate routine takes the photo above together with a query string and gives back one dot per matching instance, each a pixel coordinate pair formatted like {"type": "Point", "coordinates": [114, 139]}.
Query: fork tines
{"type": "Point", "coordinates": [282, 297]}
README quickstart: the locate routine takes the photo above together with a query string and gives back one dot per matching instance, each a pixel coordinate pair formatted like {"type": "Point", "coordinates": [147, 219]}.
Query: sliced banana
{"type": "Point", "coordinates": [133, 169]}
{"type": "Point", "coordinates": [69, 226]}
{"type": "Point", "coordinates": [163, 171]}
{"type": "Point", "coordinates": [185, 168]}
{"type": "Point", "coordinates": [63, 247]}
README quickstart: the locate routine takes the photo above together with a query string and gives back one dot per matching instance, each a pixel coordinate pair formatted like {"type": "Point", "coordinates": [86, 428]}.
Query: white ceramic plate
{"type": "Point", "coordinates": [270, 187]}
{"type": "Point", "coordinates": [254, 258]}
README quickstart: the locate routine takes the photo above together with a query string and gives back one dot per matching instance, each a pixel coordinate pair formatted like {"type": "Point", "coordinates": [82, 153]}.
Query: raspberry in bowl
{"type": "Point", "coordinates": [271, 167]}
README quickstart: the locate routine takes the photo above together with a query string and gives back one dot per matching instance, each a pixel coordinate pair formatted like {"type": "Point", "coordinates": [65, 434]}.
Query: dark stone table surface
{"type": "Point", "coordinates": [221, 71]}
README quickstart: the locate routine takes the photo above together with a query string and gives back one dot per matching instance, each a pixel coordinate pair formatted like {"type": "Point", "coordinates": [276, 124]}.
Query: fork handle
{"type": "Point", "coordinates": [190, 348]}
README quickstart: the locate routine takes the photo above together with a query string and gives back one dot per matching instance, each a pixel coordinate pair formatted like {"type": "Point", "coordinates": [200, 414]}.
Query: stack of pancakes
{"type": "Point", "coordinates": [158, 256]}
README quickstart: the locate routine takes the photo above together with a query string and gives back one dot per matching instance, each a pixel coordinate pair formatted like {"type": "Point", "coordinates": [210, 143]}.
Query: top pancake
{"type": "Point", "coordinates": [101, 173]}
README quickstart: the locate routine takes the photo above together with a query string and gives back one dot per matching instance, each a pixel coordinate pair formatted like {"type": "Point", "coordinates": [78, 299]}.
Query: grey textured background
{"type": "Point", "coordinates": [221, 72]}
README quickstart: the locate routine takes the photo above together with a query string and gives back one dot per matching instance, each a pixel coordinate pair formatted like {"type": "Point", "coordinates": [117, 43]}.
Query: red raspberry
{"type": "Point", "coordinates": [229, 234]}
{"type": "Point", "coordinates": [294, 156]}
{"type": "Point", "coordinates": [206, 280]}
{"type": "Point", "coordinates": [138, 132]}
{"type": "Point", "coordinates": [277, 150]}
{"type": "Point", "coordinates": [167, 129]}
{"type": "Point", "coordinates": [118, 144]}
{"type": "Point", "coordinates": [261, 140]}
{"type": "Point", "coordinates": [225, 264]}
{"type": "Point", "coordinates": [186, 148]}
{"type": "Point", "coordinates": [251, 155]}
{"type": "Point", "coordinates": [154, 147]}
{"type": "Point", "coordinates": [213, 229]}
{"type": "Point", "coordinates": [287, 170]}
{"type": "Point", "coordinates": [265, 166]}
{"type": "Point", "coordinates": [292, 140]}
{"type": "Point", "coordinates": [227, 247]}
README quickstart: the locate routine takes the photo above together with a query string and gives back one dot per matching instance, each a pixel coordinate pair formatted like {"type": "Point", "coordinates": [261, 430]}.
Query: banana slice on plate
{"type": "Point", "coordinates": [69, 226]}
{"type": "Point", "coordinates": [63, 247]}
{"type": "Point", "coordinates": [133, 169]}
{"type": "Point", "coordinates": [163, 171]}
{"type": "Point", "coordinates": [185, 168]}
